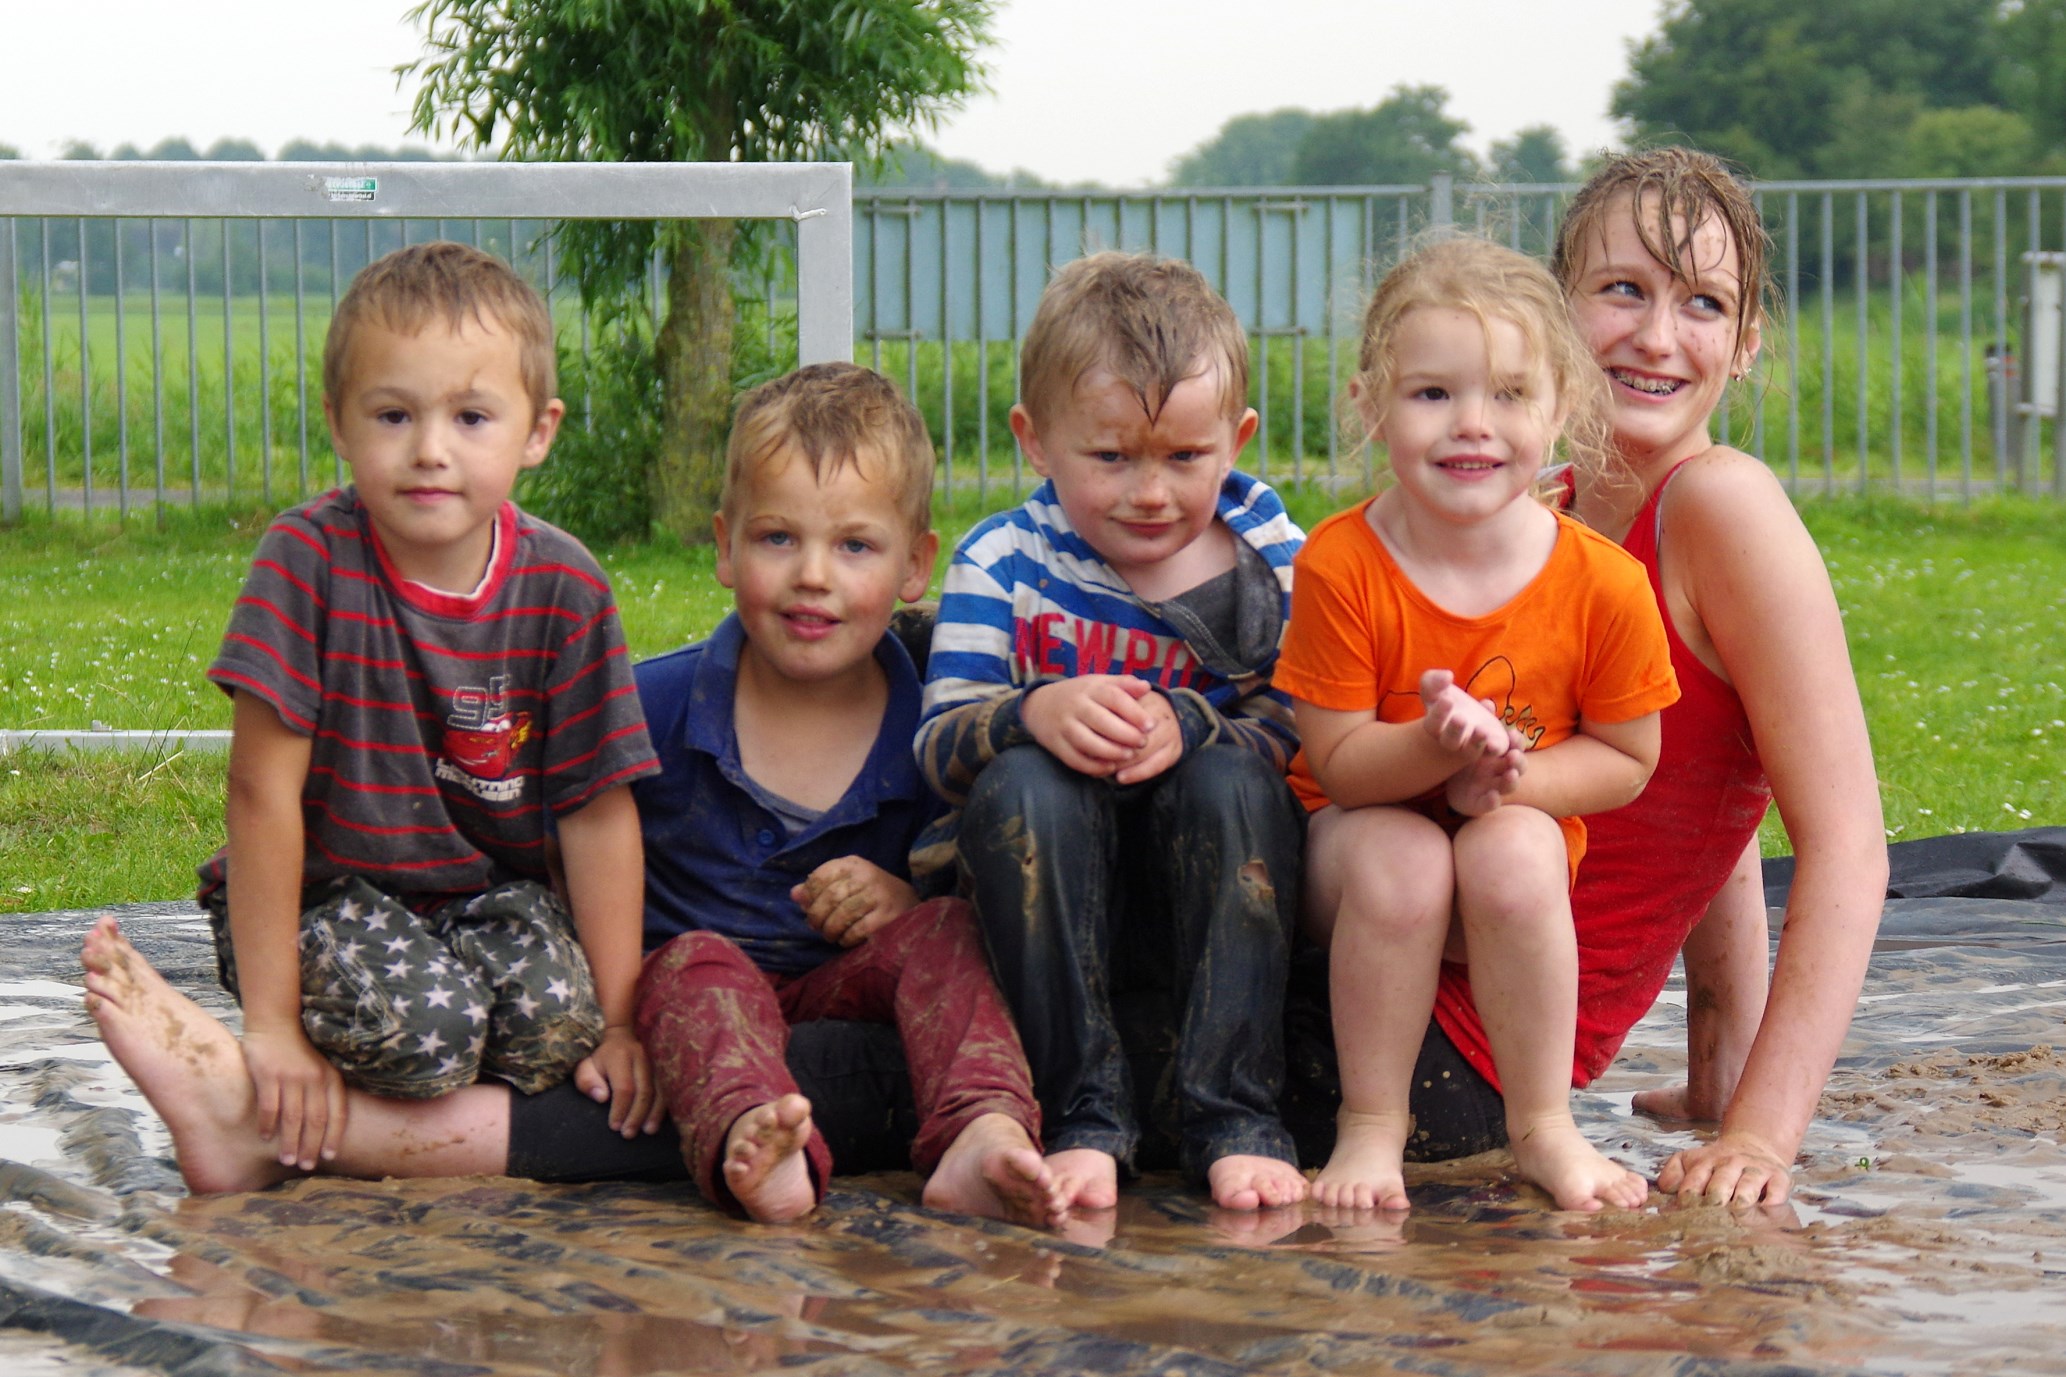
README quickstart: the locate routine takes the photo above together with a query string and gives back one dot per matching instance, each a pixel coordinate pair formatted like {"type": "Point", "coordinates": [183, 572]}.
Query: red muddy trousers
{"type": "Point", "coordinates": [716, 1028]}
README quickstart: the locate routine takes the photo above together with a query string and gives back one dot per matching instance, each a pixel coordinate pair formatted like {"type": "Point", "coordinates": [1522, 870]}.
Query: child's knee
{"type": "Point", "coordinates": [1514, 862]}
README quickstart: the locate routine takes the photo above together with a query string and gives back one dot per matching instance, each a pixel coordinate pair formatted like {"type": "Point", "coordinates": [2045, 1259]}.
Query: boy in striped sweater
{"type": "Point", "coordinates": [428, 686]}
{"type": "Point", "coordinates": [1098, 708]}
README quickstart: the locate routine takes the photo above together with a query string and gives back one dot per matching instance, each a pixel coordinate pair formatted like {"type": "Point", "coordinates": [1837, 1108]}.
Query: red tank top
{"type": "Point", "coordinates": [1650, 868]}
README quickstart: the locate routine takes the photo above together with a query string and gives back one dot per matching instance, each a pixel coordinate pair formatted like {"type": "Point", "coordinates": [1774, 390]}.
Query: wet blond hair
{"type": "Point", "coordinates": [455, 285]}
{"type": "Point", "coordinates": [1669, 187]}
{"type": "Point", "coordinates": [1152, 322]}
{"type": "Point", "coordinates": [832, 414]}
{"type": "Point", "coordinates": [1491, 282]}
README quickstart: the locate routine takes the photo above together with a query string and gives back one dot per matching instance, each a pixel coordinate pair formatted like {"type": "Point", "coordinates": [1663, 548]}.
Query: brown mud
{"type": "Point", "coordinates": [1927, 1235]}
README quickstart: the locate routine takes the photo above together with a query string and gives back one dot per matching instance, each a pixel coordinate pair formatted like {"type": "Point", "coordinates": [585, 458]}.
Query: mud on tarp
{"type": "Point", "coordinates": [1926, 1236]}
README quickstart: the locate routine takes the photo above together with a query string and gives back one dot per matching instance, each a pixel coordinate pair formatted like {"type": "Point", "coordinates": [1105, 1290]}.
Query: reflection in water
{"type": "Point", "coordinates": [1925, 1237]}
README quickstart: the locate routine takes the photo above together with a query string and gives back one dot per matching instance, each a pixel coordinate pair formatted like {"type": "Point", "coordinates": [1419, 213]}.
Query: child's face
{"type": "Point", "coordinates": [1469, 415]}
{"type": "Point", "coordinates": [816, 568]}
{"type": "Point", "coordinates": [1139, 490]}
{"type": "Point", "coordinates": [436, 425]}
{"type": "Point", "coordinates": [1668, 349]}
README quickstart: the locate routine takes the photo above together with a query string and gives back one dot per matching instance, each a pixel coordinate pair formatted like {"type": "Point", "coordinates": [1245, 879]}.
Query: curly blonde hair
{"type": "Point", "coordinates": [1492, 282]}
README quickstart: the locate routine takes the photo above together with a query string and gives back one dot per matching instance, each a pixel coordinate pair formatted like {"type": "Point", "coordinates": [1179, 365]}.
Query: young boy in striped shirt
{"type": "Point", "coordinates": [428, 686]}
{"type": "Point", "coordinates": [1098, 706]}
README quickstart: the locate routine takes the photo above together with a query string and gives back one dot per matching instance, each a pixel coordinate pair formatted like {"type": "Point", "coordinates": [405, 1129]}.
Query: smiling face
{"type": "Point", "coordinates": [1668, 346]}
{"type": "Point", "coordinates": [1468, 415]}
{"type": "Point", "coordinates": [816, 564]}
{"type": "Point", "coordinates": [1141, 490]}
{"type": "Point", "coordinates": [435, 425]}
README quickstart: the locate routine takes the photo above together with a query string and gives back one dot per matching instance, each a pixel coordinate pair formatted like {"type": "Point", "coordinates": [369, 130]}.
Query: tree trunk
{"type": "Point", "coordinates": [695, 357]}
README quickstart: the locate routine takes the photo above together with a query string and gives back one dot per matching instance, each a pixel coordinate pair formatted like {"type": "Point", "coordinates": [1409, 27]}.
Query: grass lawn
{"type": "Point", "coordinates": [1953, 617]}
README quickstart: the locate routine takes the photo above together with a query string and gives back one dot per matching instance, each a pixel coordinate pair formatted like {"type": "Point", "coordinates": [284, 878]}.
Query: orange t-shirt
{"type": "Point", "coordinates": [1584, 638]}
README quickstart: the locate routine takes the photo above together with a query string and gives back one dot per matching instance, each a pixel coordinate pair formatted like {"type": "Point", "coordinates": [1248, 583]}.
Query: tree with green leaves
{"type": "Point", "coordinates": [1249, 150]}
{"type": "Point", "coordinates": [1534, 154]}
{"type": "Point", "coordinates": [1791, 89]}
{"type": "Point", "coordinates": [1404, 139]}
{"type": "Point", "coordinates": [687, 81]}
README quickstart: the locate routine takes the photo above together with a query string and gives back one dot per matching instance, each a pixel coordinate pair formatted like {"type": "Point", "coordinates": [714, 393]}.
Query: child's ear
{"type": "Point", "coordinates": [721, 538]}
{"type": "Point", "coordinates": [1366, 409]}
{"type": "Point", "coordinates": [918, 575]}
{"type": "Point", "coordinates": [1023, 431]}
{"type": "Point", "coordinates": [330, 419]}
{"type": "Point", "coordinates": [1244, 429]}
{"type": "Point", "coordinates": [544, 426]}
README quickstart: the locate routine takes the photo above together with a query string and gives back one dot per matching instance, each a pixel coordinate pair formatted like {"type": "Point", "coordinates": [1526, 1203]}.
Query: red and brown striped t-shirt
{"type": "Point", "coordinates": [443, 728]}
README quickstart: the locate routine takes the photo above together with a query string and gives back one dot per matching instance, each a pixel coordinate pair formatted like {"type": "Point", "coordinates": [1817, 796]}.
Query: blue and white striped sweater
{"type": "Point", "coordinates": [1026, 600]}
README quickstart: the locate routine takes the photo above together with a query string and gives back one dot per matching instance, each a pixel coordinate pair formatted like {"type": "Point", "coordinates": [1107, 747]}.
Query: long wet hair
{"type": "Point", "coordinates": [1671, 193]}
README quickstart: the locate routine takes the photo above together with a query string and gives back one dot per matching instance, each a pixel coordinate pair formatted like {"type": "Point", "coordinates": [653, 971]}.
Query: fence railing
{"type": "Point", "coordinates": [70, 358]}
{"type": "Point", "coordinates": [1917, 344]}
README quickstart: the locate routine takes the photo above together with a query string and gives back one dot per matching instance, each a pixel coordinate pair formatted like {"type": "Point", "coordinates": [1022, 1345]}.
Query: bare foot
{"type": "Point", "coordinates": [1556, 1156]}
{"type": "Point", "coordinates": [1241, 1182]}
{"type": "Point", "coordinates": [993, 1169]}
{"type": "Point", "coordinates": [1089, 1179]}
{"type": "Point", "coordinates": [186, 1063]}
{"type": "Point", "coordinates": [1367, 1169]}
{"type": "Point", "coordinates": [765, 1165]}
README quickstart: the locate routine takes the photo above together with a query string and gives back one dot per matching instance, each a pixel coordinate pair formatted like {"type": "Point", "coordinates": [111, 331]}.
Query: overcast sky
{"type": "Point", "coordinates": [1108, 90]}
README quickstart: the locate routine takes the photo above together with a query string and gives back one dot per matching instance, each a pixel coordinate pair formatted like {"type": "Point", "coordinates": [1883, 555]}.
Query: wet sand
{"type": "Point", "coordinates": [1928, 1234]}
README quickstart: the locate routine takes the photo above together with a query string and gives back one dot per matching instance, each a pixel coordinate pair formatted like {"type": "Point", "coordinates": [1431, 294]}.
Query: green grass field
{"type": "Point", "coordinates": [1953, 617]}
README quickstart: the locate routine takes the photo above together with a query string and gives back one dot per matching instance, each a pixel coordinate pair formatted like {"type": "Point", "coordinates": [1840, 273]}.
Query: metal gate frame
{"type": "Point", "coordinates": [818, 197]}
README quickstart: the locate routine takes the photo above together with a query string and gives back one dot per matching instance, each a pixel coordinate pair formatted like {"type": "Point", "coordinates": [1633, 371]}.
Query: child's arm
{"type": "Point", "coordinates": [605, 862]}
{"type": "Point", "coordinates": [1599, 767]}
{"type": "Point", "coordinates": [848, 899]}
{"type": "Point", "coordinates": [300, 1095]}
{"type": "Point", "coordinates": [1359, 760]}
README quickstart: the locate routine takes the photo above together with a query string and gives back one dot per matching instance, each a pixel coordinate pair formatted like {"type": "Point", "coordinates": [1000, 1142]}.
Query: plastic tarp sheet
{"type": "Point", "coordinates": [1928, 1232]}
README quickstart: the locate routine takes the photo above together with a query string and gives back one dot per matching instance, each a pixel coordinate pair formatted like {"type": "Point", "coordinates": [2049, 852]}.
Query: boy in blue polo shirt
{"type": "Point", "coordinates": [778, 830]}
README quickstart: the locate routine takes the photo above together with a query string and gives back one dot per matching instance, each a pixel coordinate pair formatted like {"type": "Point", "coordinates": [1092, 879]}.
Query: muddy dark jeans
{"type": "Point", "coordinates": [1088, 892]}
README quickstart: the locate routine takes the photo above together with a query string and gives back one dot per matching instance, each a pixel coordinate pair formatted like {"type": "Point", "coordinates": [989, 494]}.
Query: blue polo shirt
{"type": "Point", "coordinates": [717, 859]}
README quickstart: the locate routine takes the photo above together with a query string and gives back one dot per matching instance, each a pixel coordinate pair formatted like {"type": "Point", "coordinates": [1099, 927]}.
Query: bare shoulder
{"type": "Point", "coordinates": [1727, 509]}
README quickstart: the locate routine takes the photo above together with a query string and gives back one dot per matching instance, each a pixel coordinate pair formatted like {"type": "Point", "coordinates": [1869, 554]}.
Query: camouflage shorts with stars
{"type": "Point", "coordinates": [415, 1005]}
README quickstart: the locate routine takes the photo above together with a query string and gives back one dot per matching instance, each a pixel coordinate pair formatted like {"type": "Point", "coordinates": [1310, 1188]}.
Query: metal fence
{"type": "Point", "coordinates": [207, 383]}
{"type": "Point", "coordinates": [156, 346]}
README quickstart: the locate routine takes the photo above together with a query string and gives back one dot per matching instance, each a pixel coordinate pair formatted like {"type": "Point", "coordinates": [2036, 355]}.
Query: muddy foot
{"type": "Point", "coordinates": [1242, 1182]}
{"type": "Point", "coordinates": [766, 1168]}
{"type": "Point", "coordinates": [993, 1169]}
{"type": "Point", "coordinates": [1089, 1179]}
{"type": "Point", "coordinates": [186, 1063]}
{"type": "Point", "coordinates": [1556, 1156]}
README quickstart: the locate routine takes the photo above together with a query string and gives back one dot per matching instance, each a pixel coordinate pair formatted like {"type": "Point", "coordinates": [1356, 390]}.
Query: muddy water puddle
{"type": "Point", "coordinates": [1928, 1235]}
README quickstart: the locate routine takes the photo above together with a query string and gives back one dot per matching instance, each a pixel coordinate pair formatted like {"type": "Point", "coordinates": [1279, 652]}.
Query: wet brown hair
{"type": "Point", "coordinates": [832, 414]}
{"type": "Point", "coordinates": [455, 284]}
{"type": "Point", "coordinates": [1492, 282]}
{"type": "Point", "coordinates": [1149, 320]}
{"type": "Point", "coordinates": [1667, 187]}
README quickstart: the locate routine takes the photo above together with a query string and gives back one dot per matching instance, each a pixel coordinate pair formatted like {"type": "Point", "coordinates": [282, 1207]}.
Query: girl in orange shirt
{"type": "Point", "coordinates": [1472, 672]}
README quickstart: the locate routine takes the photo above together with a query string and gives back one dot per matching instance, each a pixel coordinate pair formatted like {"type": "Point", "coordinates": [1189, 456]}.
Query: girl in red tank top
{"type": "Point", "coordinates": [1662, 256]}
